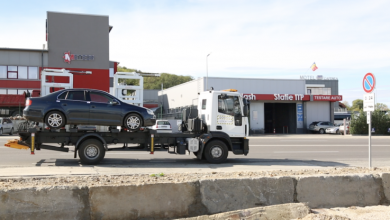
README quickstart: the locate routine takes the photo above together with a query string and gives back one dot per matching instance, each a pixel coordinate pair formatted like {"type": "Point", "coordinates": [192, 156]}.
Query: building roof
{"type": "Point", "coordinates": [24, 49]}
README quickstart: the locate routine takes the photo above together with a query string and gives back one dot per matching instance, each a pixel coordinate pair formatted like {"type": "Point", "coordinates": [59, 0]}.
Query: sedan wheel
{"type": "Point", "coordinates": [1, 131]}
{"type": "Point", "coordinates": [133, 122]}
{"type": "Point", "coordinates": [55, 119]}
{"type": "Point", "coordinates": [322, 131]}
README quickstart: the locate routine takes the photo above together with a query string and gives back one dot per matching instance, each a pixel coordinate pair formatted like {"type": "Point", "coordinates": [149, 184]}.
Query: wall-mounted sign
{"type": "Point", "coordinates": [318, 77]}
{"type": "Point", "coordinates": [277, 97]}
{"type": "Point", "coordinates": [78, 57]}
{"type": "Point", "coordinates": [332, 98]}
{"type": "Point", "coordinates": [293, 97]}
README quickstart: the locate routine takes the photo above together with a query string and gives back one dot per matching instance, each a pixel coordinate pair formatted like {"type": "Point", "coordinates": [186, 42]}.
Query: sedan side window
{"type": "Point", "coordinates": [99, 97]}
{"type": "Point", "coordinates": [76, 95]}
{"type": "Point", "coordinates": [63, 95]}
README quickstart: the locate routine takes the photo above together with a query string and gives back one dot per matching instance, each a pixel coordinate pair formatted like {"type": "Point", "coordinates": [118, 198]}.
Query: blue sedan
{"type": "Point", "coordinates": [86, 107]}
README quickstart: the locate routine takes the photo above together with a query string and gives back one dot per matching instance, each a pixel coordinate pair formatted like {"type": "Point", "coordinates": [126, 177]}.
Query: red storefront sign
{"type": "Point", "coordinates": [332, 98]}
{"type": "Point", "coordinates": [292, 97]}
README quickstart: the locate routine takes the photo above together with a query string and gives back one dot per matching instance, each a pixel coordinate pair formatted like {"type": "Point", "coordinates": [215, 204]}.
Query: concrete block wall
{"type": "Point", "coordinates": [189, 199]}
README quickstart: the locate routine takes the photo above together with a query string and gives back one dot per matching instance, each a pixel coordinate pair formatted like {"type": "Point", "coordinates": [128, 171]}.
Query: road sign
{"type": "Point", "coordinates": [368, 118]}
{"type": "Point", "coordinates": [369, 102]}
{"type": "Point", "coordinates": [369, 82]}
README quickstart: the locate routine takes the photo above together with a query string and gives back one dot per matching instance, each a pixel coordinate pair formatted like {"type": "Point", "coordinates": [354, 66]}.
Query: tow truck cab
{"type": "Point", "coordinates": [224, 111]}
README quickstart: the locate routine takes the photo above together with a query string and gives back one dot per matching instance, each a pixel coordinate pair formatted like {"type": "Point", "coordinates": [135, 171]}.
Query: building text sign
{"type": "Point", "coordinates": [332, 98]}
{"type": "Point", "coordinates": [68, 57]}
{"type": "Point", "coordinates": [293, 97]}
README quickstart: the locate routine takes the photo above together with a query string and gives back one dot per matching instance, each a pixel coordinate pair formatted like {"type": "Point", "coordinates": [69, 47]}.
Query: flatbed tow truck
{"type": "Point", "coordinates": [219, 125]}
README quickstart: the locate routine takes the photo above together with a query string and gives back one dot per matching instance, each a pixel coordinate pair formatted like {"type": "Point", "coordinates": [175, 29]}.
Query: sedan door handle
{"type": "Point", "coordinates": [64, 104]}
{"type": "Point", "coordinates": [92, 106]}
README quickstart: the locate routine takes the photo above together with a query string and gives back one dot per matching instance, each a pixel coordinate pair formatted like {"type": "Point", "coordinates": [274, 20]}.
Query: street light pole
{"type": "Point", "coordinates": [207, 71]}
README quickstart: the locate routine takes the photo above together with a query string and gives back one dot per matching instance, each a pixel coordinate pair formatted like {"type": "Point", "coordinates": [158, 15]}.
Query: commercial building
{"type": "Point", "coordinates": [283, 105]}
{"type": "Point", "coordinates": [76, 42]}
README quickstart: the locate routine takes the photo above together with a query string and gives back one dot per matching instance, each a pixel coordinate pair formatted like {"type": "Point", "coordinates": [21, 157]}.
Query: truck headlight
{"type": "Point", "coordinates": [150, 112]}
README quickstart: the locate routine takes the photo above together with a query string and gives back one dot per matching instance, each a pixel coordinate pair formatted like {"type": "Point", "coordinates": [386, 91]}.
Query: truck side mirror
{"type": "Point", "coordinates": [246, 107]}
{"type": "Point", "coordinates": [245, 110]}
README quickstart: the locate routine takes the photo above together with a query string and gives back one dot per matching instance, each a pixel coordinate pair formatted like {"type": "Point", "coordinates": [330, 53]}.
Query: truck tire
{"type": "Point", "coordinates": [91, 152]}
{"type": "Point", "coordinates": [216, 152]}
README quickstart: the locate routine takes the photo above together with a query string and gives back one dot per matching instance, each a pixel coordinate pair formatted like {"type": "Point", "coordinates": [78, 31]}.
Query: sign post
{"type": "Point", "coordinates": [369, 106]}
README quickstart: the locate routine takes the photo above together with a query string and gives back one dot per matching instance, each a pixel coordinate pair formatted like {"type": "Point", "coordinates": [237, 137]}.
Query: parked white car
{"type": "Point", "coordinates": [332, 130]}
{"type": "Point", "coordinates": [6, 126]}
{"type": "Point", "coordinates": [341, 128]}
{"type": "Point", "coordinates": [162, 126]}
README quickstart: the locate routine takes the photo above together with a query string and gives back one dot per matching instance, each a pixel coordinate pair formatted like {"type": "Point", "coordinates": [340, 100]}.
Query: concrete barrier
{"type": "Point", "coordinates": [156, 201]}
{"type": "Point", "coordinates": [190, 199]}
{"type": "Point", "coordinates": [45, 203]}
{"type": "Point", "coordinates": [223, 195]}
{"type": "Point", "coordinates": [339, 191]}
{"type": "Point", "coordinates": [284, 211]}
{"type": "Point", "coordinates": [386, 186]}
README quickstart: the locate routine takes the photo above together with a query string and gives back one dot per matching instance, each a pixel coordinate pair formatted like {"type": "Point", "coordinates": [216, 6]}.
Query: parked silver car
{"type": "Point", "coordinates": [6, 126]}
{"type": "Point", "coordinates": [320, 126]}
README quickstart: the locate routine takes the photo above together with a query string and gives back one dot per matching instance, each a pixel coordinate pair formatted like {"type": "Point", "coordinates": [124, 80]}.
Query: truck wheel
{"type": "Point", "coordinates": [55, 119]}
{"type": "Point", "coordinates": [91, 152]}
{"type": "Point", "coordinates": [216, 152]}
{"type": "Point", "coordinates": [133, 122]}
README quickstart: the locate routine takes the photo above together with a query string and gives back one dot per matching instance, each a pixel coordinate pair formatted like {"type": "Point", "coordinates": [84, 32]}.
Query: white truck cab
{"type": "Point", "coordinates": [225, 111]}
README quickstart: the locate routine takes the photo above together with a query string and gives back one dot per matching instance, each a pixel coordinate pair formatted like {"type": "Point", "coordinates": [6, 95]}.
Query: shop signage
{"type": "Point", "coordinates": [68, 57]}
{"type": "Point", "coordinates": [299, 115]}
{"type": "Point", "coordinates": [288, 97]}
{"type": "Point", "coordinates": [332, 98]}
{"type": "Point", "coordinates": [277, 97]}
{"type": "Point", "coordinates": [293, 97]}
{"type": "Point", "coordinates": [318, 77]}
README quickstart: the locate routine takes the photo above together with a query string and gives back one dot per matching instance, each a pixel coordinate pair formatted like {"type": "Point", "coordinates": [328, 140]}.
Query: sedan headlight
{"type": "Point", "coordinates": [150, 112]}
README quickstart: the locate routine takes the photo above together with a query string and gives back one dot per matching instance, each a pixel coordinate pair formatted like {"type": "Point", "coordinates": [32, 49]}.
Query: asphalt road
{"type": "Point", "coordinates": [269, 150]}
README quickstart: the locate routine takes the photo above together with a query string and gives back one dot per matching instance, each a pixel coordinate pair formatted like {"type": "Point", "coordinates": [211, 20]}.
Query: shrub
{"type": "Point", "coordinates": [379, 121]}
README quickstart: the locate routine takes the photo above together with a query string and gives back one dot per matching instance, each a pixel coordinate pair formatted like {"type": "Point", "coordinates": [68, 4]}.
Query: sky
{"type": "Point", "coordinates": [245, 38]}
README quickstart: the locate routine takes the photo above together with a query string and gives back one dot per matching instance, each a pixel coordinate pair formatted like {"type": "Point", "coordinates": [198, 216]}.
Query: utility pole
{"type": "Point", "coordinates": [207, 71]}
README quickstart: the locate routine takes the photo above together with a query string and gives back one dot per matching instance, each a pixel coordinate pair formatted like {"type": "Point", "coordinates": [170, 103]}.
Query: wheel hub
{"type": "Point", "coordinates": [55, 120]}
{"type": "Point", "coordinates": [92, 151]}
{"type": "Point", "coordinates": [133, 122]}
{"type": "Point", "coordinates": [216, 151]}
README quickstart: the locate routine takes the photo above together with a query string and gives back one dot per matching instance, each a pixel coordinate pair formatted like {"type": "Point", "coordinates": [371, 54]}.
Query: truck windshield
{"type": "Point", "coordinates": [229, 105]}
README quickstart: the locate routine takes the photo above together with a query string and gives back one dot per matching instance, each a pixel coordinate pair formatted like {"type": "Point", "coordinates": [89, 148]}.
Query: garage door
{"type": "Point", "coordinates": [317, 111]}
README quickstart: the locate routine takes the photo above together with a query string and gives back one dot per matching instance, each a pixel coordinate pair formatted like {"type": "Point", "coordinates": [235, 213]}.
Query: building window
{"type": "Point", "coordinates": [32, 72]}
{"type": "Point", "coordinates": [12, 72]}
{"type": "Point", "coordinates": [18, 72]}
{"type": "Point", "coordinates": [3, 72]}
{"type": "Point", "coordinates": [22, 72]}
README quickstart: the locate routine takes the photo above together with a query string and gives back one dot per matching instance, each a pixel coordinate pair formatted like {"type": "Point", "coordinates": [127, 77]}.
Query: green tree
{"type": "Point", "coordinates": [167, 79]}
{"type": "Point", "coordinates": [357, 105]}
{"type": "Point", "coordinates": [381, 107]}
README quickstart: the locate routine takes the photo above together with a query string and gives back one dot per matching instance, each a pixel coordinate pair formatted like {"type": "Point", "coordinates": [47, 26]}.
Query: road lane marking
{"type": "Point", "coordinates": [283, 152]}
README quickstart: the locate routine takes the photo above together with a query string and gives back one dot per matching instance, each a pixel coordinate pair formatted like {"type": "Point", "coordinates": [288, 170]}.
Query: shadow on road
{"type": "Point", "coordinates": [185, 162]}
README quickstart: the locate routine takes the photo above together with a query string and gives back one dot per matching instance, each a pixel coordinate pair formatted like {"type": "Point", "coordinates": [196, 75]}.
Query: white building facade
{"type": "Point", "coordinates": [280, 105]}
